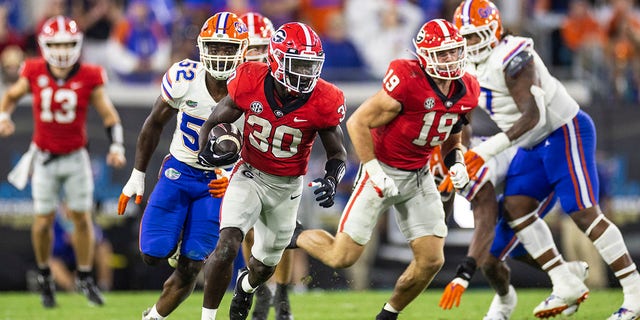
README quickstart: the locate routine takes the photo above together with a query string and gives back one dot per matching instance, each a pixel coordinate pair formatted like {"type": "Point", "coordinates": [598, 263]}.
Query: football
{"type": "Point", "coordinates": [228, 141]}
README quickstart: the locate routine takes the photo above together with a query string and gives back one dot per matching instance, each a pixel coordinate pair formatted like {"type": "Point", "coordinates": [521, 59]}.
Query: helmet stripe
{"type": "Point", "coordinates": [466, 12]}
{"type": "Point", "coordinates": [443, 28]}
{"type": "Point", "coordinates": [250, 23]}
{"type": "Point", "coordinates": [61, 25]}
{"type": "Point", "coordinates": [222, 22]}
{"type": "Point", "coordinates": [307, 34]}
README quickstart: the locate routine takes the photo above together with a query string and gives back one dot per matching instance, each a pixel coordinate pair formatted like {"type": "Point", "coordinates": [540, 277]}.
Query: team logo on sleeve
{"type": "Point", "coordinates": [256, 107]}
{"type": "Point", "coordinates": [429, 103]}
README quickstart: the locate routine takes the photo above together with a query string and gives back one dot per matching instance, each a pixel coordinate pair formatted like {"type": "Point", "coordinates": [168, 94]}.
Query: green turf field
{"type": "Point", "coordinates": [313, 305]}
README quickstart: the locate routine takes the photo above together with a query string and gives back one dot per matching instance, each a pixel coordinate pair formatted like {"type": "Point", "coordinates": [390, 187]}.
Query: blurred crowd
{"type": "Point", "coordinates": [595, 41]}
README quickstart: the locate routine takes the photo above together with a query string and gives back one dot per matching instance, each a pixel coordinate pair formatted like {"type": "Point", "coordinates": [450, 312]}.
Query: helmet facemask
{"type": "Point", "coordinates": [220, 57]}
{"type": "Point", "coordinates": [298, 72]}
{"type": "Point", "coordinates": [61, 52]}
{"type": "Point", "coordinates": [480, 51]}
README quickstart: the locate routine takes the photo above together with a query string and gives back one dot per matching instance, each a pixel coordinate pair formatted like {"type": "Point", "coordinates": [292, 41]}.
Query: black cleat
{"type": "Point", "coordinates": [91, 291]}
{"type": "Point", "coordinates": [296, 233]}
{"type": "Point", "coordinates": [386, 315]}
{"type": "Point", "coordinates": [241, 301]}
{"type": "Point", "coordinates": [264, 298]}
{"type": "Point", "coordinates": [47, 291]}
{"type": "Point", "coordinates": [281, 303]}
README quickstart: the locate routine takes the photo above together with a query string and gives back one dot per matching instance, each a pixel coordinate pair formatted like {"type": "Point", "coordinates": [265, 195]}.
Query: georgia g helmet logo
{"type": "Point", "coordinates": [279, 36]}
{"type": "Point", "coordinates": [420, 36]}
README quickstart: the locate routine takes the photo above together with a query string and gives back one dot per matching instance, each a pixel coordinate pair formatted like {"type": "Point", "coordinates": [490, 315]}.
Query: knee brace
{"type": "Point", "coordinates": [536, 238]}
{"type": "Point", "coordinates": [610, 244]}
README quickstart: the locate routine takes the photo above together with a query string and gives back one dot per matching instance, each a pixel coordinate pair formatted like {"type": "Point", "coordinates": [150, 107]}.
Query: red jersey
{"type": "Point", "coordinates": [427, 115]}
{"type": "Point", "coordinates": [60, 106]}
{"type": "Point", "coordinates": [278, 138]}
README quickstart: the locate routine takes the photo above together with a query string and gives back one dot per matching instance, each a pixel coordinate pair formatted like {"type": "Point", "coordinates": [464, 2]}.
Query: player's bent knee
{"type": "Point", "coordinates": [188, 269]}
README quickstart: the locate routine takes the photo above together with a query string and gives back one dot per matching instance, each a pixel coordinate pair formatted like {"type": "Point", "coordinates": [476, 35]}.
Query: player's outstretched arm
{"type": "Point", "coordinates": [8, 105]}
{"type": "Point", "coordinates": [148, 140]}
{"type": "Point", "coordinates": [112, 124]}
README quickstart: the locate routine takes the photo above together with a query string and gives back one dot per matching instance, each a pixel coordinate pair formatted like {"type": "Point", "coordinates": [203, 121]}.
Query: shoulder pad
{"type": "Point", "coordinates": [176, 82]}
{"type": "Point", "coordinates": [517, 63]}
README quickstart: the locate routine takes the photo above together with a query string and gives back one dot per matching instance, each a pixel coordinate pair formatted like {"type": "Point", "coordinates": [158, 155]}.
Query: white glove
{"type": "Point", "coordinates": [135, 185]}
{"type": "Point", "coordinates": [459, 176]}
{"type": "Point", "coordinates": [382, 183]}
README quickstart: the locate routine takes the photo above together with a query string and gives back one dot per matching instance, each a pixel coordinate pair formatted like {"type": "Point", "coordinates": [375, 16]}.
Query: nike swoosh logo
{"type": "Point", "coordinates": [296, 119]}
{"type": "Point", "coordinates": [293, 197]}
{"type": "Point", "coordinates": [465, 108]}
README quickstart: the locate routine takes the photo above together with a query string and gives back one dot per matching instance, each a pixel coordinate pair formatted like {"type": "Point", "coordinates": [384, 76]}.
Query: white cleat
{"type": "Point", "coordinates": [501, 308]}
{"type": "Point", "coordinates": [581, 270]}
{"type": "Point", "coordinates": [625, 314]}
{"type": "Point", "coordinates": [555, 305]}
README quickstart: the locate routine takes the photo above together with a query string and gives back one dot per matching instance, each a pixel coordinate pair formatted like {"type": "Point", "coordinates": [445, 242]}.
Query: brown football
{"type": "Point", "coordinates": [229, 139]}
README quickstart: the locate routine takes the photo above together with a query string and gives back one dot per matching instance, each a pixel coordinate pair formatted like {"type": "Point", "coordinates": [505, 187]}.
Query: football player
{"type": "Point", "coordinates": [557, 154]}
{"type": "Point", "coordinates": [285, 105]}
{"type": "Point", "coordinates": [181, 214]}
{"type": "Point", "coordinates": [260, 32]}
{"type": "Point", "coordinates": [422, 104]}
{"type": "Point", "coordinates": [62, 89]}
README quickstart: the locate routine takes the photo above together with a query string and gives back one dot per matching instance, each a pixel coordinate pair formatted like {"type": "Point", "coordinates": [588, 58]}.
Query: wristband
{"type": "Point", "coordinates": [335, 168]}
{"type": "Point", "coordinates": [466, 269]}
{"type": "Point", "coordinates": [492, 146]}
{"type": "Point", "coordinates": [453, 157]}
{"type": "Point", "coordinates": [114, 133]}
{"type": "Point", "coordinates": [5, 116]}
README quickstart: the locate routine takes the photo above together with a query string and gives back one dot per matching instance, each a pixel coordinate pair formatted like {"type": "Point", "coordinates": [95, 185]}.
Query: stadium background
{"type": "Point", "coordinates": [618, 133]}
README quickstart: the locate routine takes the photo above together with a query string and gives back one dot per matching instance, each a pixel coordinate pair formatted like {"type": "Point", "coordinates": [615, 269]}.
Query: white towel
{"type": "Point", "coordinates": [19, 175]}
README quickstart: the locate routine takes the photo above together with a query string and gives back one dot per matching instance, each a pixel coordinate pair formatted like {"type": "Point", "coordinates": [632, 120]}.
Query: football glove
{"type": "Point", "coordinates": [135, 185]}
{"type": "Point", "coordinates": [453, 293]}
{"type": "Point", "coordinates": [382, 183]}
{"type": "Point", "coordinates": [325, 191]}
{"type": "Point", "coordinates": [446, 185]}
{"type": "Point", "coordinates": [476, 157]}
{"type": "Point", "coordinates": [217, 187]}
{"type": "Point", "coordinates": [208, 158]}
{"type": "Point", "coordinates": [458, 175]}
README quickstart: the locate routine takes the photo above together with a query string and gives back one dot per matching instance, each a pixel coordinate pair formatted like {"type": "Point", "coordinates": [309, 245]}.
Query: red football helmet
{"type": "Point", "coordinates": [223, 42]}
{"type": "Point", "coordinates": [482, 18]}
{"type": "Point", "coordinates": [60, 41]}
{"type": "Point", "coordinates": [295, 57]}
{"type": "Point", "coordinates": [441, 49]}
{"type": "Point", "coordinates": [260, 32]}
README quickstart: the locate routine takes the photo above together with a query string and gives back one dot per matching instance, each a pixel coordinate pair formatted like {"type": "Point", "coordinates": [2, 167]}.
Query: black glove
{"type": "Point", "coordinates": [326, 191]}
{"type": "Point", "coordinates": [208, 158]}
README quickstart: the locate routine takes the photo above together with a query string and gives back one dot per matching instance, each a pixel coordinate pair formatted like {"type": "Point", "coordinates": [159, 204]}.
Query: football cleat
{"type": "Point", "coordinates": [555, 305]}
{"type": "Point", "coordinates": [581, 270]}
{"type": "Point", "coordinates": [386, 315]}
{"type": "Point", "coordinates": [145, 315]}
{"type": "Point", "coordinates": [91, 291]}
{"type": "Point", "coordinates": [241, 301]}
{"type": "Point", "coordinates": [501, 309]}
{"type": "Point", "coordinates": [47, 291]}
{"type": "Point", "coordinates": [264, 298]}
{"type": "Point", "coordinates": [281, 303]}
{"type": "Point", "coordinates": [625, 314]}
{"type": "Point", "coordinates": [296, 233]}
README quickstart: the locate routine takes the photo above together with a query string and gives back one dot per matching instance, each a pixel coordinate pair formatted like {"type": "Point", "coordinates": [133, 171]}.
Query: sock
{"type": "Point", "coordinates": [153, 314]}
{"type": "Point", "coordinates": [208, 314]}
{"type": "Point", "coordinates": [246, 286]}
{"type": "Point", "coordinates": [85, 268]}
{"type": "Point", "coordinates": [281, 289]}
{"type": "Point", "coordinates": [45, 272]}
{"type": "Point", "coordinates": [631, 289]}
{"type": "Point", "coordinates": [84, 275]}
{"type": "Point", "coordinates": [508, 298]}
{"type": "Point", "coordinates": [389, 308]}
